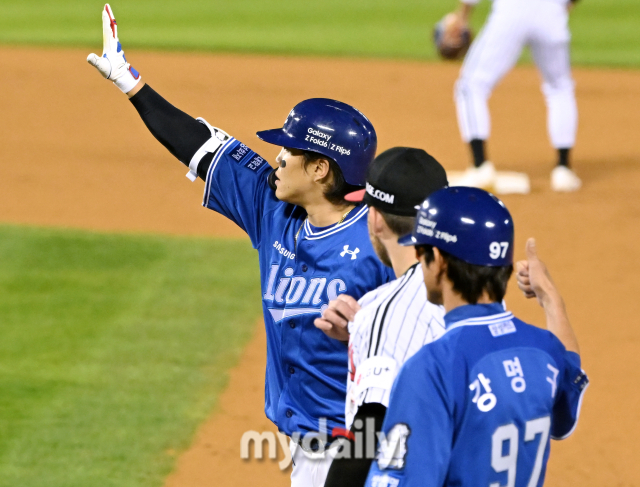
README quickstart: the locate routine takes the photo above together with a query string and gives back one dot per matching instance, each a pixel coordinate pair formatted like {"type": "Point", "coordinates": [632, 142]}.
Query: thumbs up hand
{"type": "Point", "coordinates": [533, 277]}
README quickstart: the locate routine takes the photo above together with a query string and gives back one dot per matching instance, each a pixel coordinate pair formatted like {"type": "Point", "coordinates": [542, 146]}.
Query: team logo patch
{"type": "Point", "coordinates": [352, 253]}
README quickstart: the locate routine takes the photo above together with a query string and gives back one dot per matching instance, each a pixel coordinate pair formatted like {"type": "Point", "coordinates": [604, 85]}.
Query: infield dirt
{"type": "Point", "coordinates": [75, 154]}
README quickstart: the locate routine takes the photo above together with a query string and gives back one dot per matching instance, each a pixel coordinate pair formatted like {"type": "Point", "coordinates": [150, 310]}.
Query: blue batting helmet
{"type": "Point", "coordinates": [333, 129]}
{"type": "Point", "coordinates": [468, 223]}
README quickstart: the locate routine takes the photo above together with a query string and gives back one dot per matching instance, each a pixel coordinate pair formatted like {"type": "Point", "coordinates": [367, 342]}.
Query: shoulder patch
{"type": "Point", "coordinates": [255, 163]}
{"type": "Point", "coordinates": [246, 157]}
{"type": "Point", "coordinates": [240, 152]}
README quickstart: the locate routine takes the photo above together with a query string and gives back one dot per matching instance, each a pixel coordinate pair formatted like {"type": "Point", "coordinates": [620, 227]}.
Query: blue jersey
{"type": "Point", "coordinates": [306, 370]}
{"type": "Point", "coordinates": [478, 406]}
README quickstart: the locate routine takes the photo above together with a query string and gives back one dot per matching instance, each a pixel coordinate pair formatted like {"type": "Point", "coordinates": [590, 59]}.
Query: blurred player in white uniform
{"type": "Point", "coordinates": [395, 320]}
{"type": "Point", "coordinates": [513, 24]}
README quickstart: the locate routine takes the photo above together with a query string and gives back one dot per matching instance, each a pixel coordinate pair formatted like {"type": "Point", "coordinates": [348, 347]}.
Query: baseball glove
{"type": "Point", "coordinates": [451, 39]}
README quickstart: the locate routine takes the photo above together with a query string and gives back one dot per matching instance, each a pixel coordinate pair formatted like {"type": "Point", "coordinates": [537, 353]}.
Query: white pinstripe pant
{"type": "Point", "coordinates": [512, 25]}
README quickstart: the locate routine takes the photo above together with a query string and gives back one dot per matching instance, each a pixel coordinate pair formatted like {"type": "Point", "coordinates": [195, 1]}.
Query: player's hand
{"type": "Point", "coordinates": [336, 317]}
{"type": "Point", "coordinates": [113, 65]}
{"type": "Point", "coordinates": [533, 277]}
{"type": "Point", "coordinates": [455, 25]}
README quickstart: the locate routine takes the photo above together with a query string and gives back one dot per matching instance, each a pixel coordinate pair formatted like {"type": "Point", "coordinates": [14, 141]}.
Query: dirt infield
{"type": "Point", "coordinates": [74, 153]}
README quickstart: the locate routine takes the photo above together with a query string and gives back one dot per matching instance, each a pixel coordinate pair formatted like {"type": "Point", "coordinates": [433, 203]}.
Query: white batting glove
{"type": "Point", "coordinates": [113, 65]}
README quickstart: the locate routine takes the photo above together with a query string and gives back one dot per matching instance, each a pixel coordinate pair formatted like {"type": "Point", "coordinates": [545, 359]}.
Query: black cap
{"type": "Point", "coordinates": [399, 179]}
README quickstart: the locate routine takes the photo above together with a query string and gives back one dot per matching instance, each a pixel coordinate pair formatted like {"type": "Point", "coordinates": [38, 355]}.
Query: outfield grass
{"type": "Point", "coordinates": [604, 32]}
{"type": "Point", "coordinates": [113, 349]}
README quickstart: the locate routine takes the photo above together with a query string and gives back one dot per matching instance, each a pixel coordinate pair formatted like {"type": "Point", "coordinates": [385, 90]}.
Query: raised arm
{"type": "Point", "coordinates": [179, 132]}
{"type": "Point", "coordinates": [534, 280]}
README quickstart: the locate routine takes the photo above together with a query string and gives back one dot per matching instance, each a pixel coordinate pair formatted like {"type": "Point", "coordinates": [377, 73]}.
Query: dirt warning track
{"type": "Point", "coordinates": [75, 154]}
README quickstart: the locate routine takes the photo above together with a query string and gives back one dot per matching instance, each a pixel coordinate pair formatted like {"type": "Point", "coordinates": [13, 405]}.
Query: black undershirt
{"type": "Point", "coordinates": [352, 472]}
{"type": "Point", "coordinates": [180, 133]}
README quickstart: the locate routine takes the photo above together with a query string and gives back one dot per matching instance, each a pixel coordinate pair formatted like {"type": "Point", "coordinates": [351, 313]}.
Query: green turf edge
{"type": "Point", "coordinates": [115, 348]}
{"type": "Point", "coordinates": [368, 29]}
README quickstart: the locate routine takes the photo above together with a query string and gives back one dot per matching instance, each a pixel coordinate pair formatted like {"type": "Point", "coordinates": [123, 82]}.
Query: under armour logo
{"type": "Point", "coordinates": [353, 253]}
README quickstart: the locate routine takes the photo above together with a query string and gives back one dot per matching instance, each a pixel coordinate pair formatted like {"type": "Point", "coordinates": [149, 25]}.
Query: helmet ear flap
{"type": "Point", "coordinates": [271, 179]}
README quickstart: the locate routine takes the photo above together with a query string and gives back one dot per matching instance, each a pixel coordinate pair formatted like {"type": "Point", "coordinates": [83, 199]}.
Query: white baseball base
{"type": "Point", "coordinates": [505, 182]}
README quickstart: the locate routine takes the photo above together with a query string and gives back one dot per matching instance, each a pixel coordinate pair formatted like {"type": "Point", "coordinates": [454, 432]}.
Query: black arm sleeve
{"type": "Point", "coordinates": [180, 133]}
{"type": "Point", "coordinates": [352, 472]}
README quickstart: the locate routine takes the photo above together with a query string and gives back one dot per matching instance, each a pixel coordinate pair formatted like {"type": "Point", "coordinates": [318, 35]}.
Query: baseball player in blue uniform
{"type": "Point", "coordinates": [479, 406]}
{"type": "Point", "coordinates": [313, 245]}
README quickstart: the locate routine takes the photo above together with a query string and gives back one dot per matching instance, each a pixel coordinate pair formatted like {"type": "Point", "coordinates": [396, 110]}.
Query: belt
{"type": "Point", "coordinates": [316, 443]}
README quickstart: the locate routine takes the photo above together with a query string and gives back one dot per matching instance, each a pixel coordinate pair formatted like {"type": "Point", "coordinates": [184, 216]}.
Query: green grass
{"type": "Point", "coordinates": [604, 32]}
{"type": "Point", "coordinates": [113, 349]}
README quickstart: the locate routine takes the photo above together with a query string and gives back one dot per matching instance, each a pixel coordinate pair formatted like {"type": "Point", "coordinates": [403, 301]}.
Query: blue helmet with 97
{"type": "Point", "coordinates": [468, 223]}
{"type": "Point", "coordinates": [333, 129]}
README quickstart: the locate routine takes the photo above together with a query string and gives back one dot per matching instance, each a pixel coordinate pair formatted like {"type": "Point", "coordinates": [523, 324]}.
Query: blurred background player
{"type": "Point", "coordinates": [313, 244]}
{"type": "Point", "coordinates": [393, 321]}
{"type": "Point", "coordinates": [513, 24]}
{"type": "Point", "coordinates": [478, 406]}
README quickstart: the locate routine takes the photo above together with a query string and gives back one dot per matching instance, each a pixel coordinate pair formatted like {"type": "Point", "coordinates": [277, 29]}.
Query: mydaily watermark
{"type": "Point", "coordinates": [358, 443]}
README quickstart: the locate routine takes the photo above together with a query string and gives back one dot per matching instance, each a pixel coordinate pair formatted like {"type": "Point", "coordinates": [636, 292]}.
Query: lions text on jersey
{"type": "Point", "coordinates": [306, 370]}
{"type": "Point", "coordinates": [478, 406]}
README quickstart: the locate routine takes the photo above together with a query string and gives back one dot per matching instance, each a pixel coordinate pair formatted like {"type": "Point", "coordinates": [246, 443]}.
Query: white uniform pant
{"type": "Point", "coordinates": [311, 469]}
{"type": "Point", "coordinates": [512, 25]}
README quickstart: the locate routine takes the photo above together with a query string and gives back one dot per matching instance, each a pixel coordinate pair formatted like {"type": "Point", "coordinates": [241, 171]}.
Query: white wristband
{"type": "Point", "coordinates": [210, 146]}
{"type": "Point", "coordinates": [127, 81]}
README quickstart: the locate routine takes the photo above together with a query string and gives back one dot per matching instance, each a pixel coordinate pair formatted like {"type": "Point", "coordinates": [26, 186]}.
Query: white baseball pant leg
{"type": "Point", "coordinates": [311, 469]}
{"type": "Point", "coordinates": [491, 56]}
{"type": "Point", "coordinates": [550, 50]}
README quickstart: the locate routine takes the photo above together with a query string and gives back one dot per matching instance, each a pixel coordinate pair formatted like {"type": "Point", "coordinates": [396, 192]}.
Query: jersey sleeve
{"type": "Point", "coordinates": [418, 428]}
{"type": "Point", "coordinates": [237, 187]}
{"type": "Point", "coordinates": [570, 389]}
